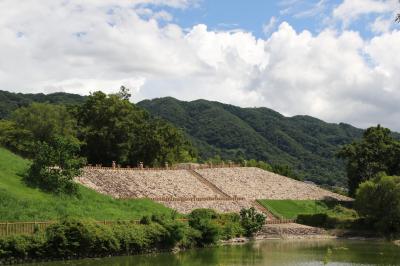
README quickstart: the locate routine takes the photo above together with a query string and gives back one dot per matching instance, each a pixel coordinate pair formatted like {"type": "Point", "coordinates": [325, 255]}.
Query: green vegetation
{"type": "Point", "coordinates": [376, 152]}
{"type": "Point", "coordinates": [38, 122]}
{"type": "Point", "coordinates": [378, 201]}
{"type": "Point", "coordinates": [108, 127]}
{"type": "Point", "coordinates": [55, 166]}
{"type": "Point", "coordinates": [305, 144]}
{"type": "Point", "coordinates": [18, 202]}
{"type": "Point", "coordinates": [290, 209]}
{"type": "Point", "coordinates": [114, 129]}
{"type": "Point", "coordinates": [73, 238]}
{"type": "Point", "coordinates": [251, 221]}
{"type": "Point", "coordinates": [11, 101]}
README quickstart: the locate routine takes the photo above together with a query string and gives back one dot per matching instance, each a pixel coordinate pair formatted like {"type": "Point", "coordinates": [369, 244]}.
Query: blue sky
{"type": "Point", "coordinates": [337, 60]}
{"type": "Point", "coordinates": [252, 15]}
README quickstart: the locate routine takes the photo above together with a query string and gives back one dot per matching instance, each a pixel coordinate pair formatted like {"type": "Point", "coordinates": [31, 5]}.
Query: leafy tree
{"type": "Point", "coordinates": [376, 152]}
{"type": "Point", "coordinates": [378, 201]}
{"type": "Point", "coordinates": [16, 139]}
{"type": "Point", "coordinates": [55, 165]}
{"type": "Point", "coordinates": [251, 221]}
{"type": "Point", "coordinates": [45, 121]}
{"type": "Point", "coordinates": [114, 129]}
{"type": "Point", "coordinates": [124, 93]}
{"type": "Point", "coordinates": [38, 122]}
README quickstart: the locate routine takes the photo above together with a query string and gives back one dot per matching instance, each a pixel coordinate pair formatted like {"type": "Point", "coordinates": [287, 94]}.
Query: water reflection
{"type": "Point", "coordinates": [266, 253]}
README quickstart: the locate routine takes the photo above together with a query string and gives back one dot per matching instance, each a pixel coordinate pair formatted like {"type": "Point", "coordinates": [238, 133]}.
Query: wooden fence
{"type": "Point", "coordinates": [183, 199]}
{"type": "Point", "coordinates": [185, 167]}
{"type": "Point", "coordinates": [27, 228]}
{"type": "Point", "coordinates": [280, 221]}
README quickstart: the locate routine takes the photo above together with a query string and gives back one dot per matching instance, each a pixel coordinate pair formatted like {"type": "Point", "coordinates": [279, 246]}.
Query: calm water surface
{"type": "Point", "coordinates": [310, 252]}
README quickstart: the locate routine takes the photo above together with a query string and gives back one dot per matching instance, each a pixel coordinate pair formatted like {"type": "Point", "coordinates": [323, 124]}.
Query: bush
{"type": "Point", "coordinates": [203, 220]}
{"type": "Point", "coordinates": [22, 247]}
{"type": "Point", "coordinates": [231, 227]}
{"type": "Point", "coordinates": [251, 221]}
{"type": "Point", "coordinates": [72, 238]}
{"type": "Point", "coordinates": [319, 220]}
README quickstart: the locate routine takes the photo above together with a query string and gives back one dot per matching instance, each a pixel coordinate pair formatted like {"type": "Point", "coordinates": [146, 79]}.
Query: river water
{"type": "Point", "coordinates": [264, 253]}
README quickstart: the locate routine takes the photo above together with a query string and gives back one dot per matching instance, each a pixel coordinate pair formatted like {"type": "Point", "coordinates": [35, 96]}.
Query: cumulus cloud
{"type": "Point", "coordinates": [82, 46]}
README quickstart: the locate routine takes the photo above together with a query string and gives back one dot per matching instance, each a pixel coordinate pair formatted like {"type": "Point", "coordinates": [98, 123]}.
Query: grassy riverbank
{"type": "Point", "coordinates": [19, 202]}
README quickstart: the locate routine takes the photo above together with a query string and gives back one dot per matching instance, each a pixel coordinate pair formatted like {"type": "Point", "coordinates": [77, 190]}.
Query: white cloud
{"type": "Point", "coordinates": [76, 46]}
{"type": "Point", "coordinates": [270, 26]}
{"type": "Point", "coordinates": [351, 10]}
{"type": "Point", "coordinates": [381, 25]}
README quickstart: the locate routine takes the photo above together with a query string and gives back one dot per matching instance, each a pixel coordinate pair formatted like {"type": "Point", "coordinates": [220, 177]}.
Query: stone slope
{"type": "Point", "coordinates": [255, 183]}
{"type": "Point", "coordinates": [145, 183]}
{"type": "Point", "coordinates": [223, 189]}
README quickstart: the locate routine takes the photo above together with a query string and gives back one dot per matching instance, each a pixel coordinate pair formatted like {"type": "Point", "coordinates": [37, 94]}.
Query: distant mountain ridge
{"type": "Point", "coordinates": [305, 143]}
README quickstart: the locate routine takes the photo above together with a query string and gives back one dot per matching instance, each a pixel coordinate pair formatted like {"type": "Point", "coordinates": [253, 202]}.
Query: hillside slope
{"type": "Point", "coordinates": [21, 203]}
{"type": "Point", "coordinates": [10, 101]}
{"type": "Point", "coordinates": [305, 143]}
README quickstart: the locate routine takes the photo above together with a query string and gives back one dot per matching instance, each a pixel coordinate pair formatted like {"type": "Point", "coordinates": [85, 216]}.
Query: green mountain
{"type": "Point", "coordinates": [10, 101]}
{"type": "Point", "coordinates": [305, 143]}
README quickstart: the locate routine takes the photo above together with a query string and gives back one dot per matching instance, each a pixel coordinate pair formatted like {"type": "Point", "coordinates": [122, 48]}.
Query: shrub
{"type": "Point", "coordinates": [203, 220]}
{"type": "Point", "coordinates": [72, 238]}
{"type": "Point", "coordinates": [251, 221]}
{"type": "Point", "coordinates": [22, 247]}
{"type": "Point", "coordinates": [319, 220]}
{"type": "Point", "coordinates": [231, 227]}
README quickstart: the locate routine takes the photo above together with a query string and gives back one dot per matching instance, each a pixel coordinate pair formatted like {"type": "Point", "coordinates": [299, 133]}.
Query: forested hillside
{"type": "Point", "coordinates": [10, 101]}
{"type": "Point", "coordinates": [305, 143]}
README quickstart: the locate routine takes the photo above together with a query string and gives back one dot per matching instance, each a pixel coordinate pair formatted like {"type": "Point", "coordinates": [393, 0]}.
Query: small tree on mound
{"type": "Point", "coordinates": [251, 221]}
{"type": "Point", "coordinates": [55, 165]}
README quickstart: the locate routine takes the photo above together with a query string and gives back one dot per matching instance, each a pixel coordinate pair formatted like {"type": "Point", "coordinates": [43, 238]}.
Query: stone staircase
{"type": "Point", "coordinates": [209, 184]}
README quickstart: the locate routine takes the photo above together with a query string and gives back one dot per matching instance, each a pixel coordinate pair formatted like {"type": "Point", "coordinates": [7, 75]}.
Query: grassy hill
{"type": "Point", "coordinates": [21, 203]}
{"type": "Point", "coordinates": [305, 143]}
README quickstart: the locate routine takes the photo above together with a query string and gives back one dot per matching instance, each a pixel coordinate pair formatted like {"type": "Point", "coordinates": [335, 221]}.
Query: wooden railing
{"type": "Point", "coordinates": [28, 228]}
{"type": "Point", "coordinates": [169, 199]}
{"type": "Point", "coordinates": [280, 221]}
{"type": "Point", "coordinates": [189, 167]}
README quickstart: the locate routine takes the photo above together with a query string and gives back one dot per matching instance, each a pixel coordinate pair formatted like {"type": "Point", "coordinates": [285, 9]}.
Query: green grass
{"type": "Point", "coordinates": [289, 209]}
{"type": "Point", "coordinates": [21, 203]}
